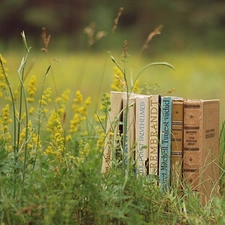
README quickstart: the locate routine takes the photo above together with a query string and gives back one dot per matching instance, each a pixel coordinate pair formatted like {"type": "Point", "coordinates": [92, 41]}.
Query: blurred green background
{"type": "Point", "coordinates": [192, 40]}
{"type": "Point", "coordinates": [187, 24]}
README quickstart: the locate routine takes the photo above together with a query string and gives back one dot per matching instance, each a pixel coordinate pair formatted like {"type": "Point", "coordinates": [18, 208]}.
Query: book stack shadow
{"type": "Point", "coordinates": [173, 139]}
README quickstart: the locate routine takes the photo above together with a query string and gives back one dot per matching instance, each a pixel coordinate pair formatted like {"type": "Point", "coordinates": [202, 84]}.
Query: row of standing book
{"type": "Point", "coordinates": [172, 138]}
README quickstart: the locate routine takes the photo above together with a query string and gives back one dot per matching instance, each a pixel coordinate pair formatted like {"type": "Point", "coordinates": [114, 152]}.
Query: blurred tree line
{"type": "Point", "coordinates": [186, 23]}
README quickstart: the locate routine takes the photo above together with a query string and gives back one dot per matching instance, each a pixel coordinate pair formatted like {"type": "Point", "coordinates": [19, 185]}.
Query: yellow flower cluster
{"type": "Point", "coordinates": [101, 120]}
{"type": "Point", "coordinates": [118, 80]}
{"type": "Point", "coordinates": [84, 148]}
{"type": "Point", "coordinates": [119, 83]}
{"type": "Point", "coordinates": [80, 112]}
{"type": "Point", "coordinates": [15, 95]}
{"type": "Point", "coordinates": [62, 101]}
{"type": "Point", "coordinates": [57, 133]}
{"type": "Point", "coordinates": [31, 89]}
{"type": "Point", "coordinates": [3, 85]}
{"type": "Point", "coordinates": [57, 139]}
{"type": "Point", "coordinates": [101, 139]}
{"type": "Point", "coordinates": [46, 97]}
{"type": "Point", "coordinates": [5, 120]}
{"type": "Point", "coordinates": [33, 141]}
{"type": "Point", "coordinates": [56, 124]}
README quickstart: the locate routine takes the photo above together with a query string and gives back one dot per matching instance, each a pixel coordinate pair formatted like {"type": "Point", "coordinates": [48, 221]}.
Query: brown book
{"type": "Point", "coordinates": [177, 142]}
{"type": "Point", "coordinates": [201, 147]}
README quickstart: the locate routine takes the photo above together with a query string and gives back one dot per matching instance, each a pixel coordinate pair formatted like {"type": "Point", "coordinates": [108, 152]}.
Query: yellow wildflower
{"type": "Point", "coordinates": [31, 110]}
{"type": "Point", "coordinates": [118, 81]}
{"type": "Point", "coordinates": [15, 95]}
{"type": "Point", "coordinates": [6, 118]}
{"type": "Point", "coordinates": [80, 112]}
{"type": "Point", "coordinates": [57, 137]}
{"type": "Point", "coordinates": [31, 87]}
{"type": "Point", "coordinates": [46, 97]}
{"type": "Point", "coordinates": [79, 97]}
{"type": "Point", "coordinates": [101, 140]}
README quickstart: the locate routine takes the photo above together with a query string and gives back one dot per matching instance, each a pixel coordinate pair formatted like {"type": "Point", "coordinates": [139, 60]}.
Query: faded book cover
{"type": "Point", "coordinates": [154, 118]}
{"type": "Point", "coordinates": [177, 142]}
{"type": "Point", "coordinates": [165, 143]}
{"type": "Point", "coordinates": [201, 147]}
{"type": "Point", "coordinates": [112, 127]}
{"type": "Point", "coordinates": [128, 129]}
{"type": "Point", "coordinates": [142, 116]}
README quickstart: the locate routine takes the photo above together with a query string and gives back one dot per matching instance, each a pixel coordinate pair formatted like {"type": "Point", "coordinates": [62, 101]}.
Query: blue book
{"type": "Point", "coordinates": [165, 143]}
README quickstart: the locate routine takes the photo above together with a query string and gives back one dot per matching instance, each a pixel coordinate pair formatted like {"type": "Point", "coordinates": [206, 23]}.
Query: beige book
{"type": "Point", "coordinates": [142, 117]}
{"type": "Point", "coordinates": [154, 134]}
{"type": "Point", "coordinates": [112, 128]}
{"type": "Point", "coordinates": [128, 129]}
{"type": "Point", "coordinates": [201, 147]}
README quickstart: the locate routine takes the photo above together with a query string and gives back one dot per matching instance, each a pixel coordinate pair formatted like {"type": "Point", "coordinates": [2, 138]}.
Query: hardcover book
{"type": "Point", "coordinates": [153, 144]}
{"type": "Point", "coordinates": [177, 142]}
{"type": "Point", "coordinates": [201, 147]}
{"type": "Point", "coordinates": [142, 116]}
{"type": "Point", "coordinates": [165, 143]}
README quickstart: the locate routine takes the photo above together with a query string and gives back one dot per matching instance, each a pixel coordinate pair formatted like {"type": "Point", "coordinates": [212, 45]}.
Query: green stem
{"type": "Point", "coordinates": [149, 65]}
{"type": "Point", "coordinates": [26, 130]}
{"type": "Point", "coordinates": [21, 74]}
{"type": "Point", "coordinates": [39, 114]}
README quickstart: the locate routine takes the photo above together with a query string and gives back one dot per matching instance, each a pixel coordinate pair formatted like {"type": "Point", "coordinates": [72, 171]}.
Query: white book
{"type": "Point", "coordinates": [142, 116]}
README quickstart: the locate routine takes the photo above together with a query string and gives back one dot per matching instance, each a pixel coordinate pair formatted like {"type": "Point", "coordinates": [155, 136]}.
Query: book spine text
{"type": "Point", "coordinates": [165, 143]}
{"type": "Point", "coordinates": [142, 134]}
{"type": "Point", "coordinates": [154, 101]}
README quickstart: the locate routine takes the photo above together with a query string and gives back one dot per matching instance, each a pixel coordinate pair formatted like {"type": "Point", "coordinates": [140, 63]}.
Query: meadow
{"type": "Point", "coordinates": [197, 74]}
{"type": "Point", "coordinates": [52, 137]}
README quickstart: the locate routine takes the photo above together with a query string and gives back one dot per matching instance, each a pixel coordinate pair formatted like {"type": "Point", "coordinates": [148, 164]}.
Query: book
{"type": "Point", "coordinates": [177, 142]}
{"type": "Point", "coordinates": [153, 144]}
{"type": "Point", "coordinates": [201, 147]}
{"type": "Point", "coordinates": [165, 143]}
{"type": "Point", "coordinates": [112, 128]}
{"type": "Point", "coordinates": [142, 116]}
{"type": "Point", "coordinates": [128, 129]}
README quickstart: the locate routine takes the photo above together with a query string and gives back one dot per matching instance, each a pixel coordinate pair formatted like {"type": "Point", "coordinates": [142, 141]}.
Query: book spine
{"type": "Point", "coordinates": [201, 147]}
{"type": "Point", "coordinates": [128, 128]}
{"type": "Point", "coordinates": [165, 143]}
{"type": "Point", "coordinates": [177, 142]}
{"type": "Point", "coordinates": [142, 116]}
{"type": "Point", "coordinates": [192, 141]}
{"type": "Point", "coordinates": [112, 129]}
{"type": "Point", "coordinates": [154, 101]}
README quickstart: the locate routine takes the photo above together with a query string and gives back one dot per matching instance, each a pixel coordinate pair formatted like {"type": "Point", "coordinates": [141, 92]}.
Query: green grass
{"type": "Point", "coordinates": [68, 191]}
